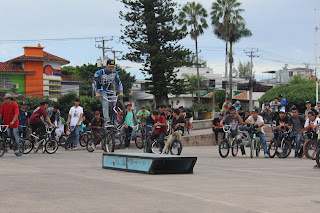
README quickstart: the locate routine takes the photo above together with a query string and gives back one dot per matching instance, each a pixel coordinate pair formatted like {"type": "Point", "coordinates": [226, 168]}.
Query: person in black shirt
{"type": "Point", "coordinates": [216, 127]}
{"type": "Point", "coordinates": [86, 123]}
{"type": "Point", "coordinates": [281, 123]}
{"type": "Point", "coordinates": [168, 113]}
{"type": "Point", "coordinates": [97, 125]}
{"type": "Point", "coordinates": [23, 119]}
{"type": "Point", "coordinates": [177, 128]}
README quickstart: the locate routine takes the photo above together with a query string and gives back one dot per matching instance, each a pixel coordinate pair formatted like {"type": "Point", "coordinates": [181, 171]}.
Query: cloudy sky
{"type": "Point", "coordinates": [283, 31]}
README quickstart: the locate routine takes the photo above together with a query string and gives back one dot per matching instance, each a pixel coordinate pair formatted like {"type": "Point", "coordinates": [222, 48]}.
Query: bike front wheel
{"type": "Point", "coordinates": [252, 148]}
{"type": "Point", "coordinates": [2, 147]}
{"type": "Point", "coordinates": [28, 146]}
{"type": "Point", "coordinates": [284, 149]}
{"type": "Point", "coordinates": [311, 149]}
{"type": "Point", "coordinates": [51, 146]}
{"type": "Point", "coordinates": [176, 147]}
{"type": "Point", "coordinates": [21, 148]}
{"type": "Point", "coordinates": [108, 143]}
{"type": "Point", "coordinates": [83, 140]}
{"type": "Point", "coordinates": [224, 148]}
{"type": "Point", "coordinates": [234, 148]}
{"type": "Point", "coordinates": [272, 148]}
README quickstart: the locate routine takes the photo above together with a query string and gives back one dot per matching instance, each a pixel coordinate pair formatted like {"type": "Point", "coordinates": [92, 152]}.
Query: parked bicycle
{"type": "Point", "coordinates": [175, 148]}
{"type": "Point", "coordinates": [280, 146]}
{"type": "Point", "coordinates": [107, 142]}
{"type": "Point", "coordinates": [224, 146]}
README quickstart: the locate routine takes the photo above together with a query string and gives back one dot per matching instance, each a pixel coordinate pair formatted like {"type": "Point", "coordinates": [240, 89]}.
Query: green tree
{"type": "Point", "coordinates": [193, 15]}
{"type": "Point", "coordinates": [243, 70]}
{"type": "Point", "coordinates": [191, 82]}
{"type": "Point", "coordinates": [219, 97]}
{"type": "Point", "coordinates": [152, 35]}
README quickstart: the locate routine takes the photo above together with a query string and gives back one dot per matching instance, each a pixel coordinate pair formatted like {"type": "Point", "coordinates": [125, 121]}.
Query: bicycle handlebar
{"type": "Point", "coordinates": [3, 128]}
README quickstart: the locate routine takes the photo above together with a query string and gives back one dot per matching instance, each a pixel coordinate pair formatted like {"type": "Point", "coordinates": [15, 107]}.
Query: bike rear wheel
{"type": "Point", "coordinates": [2, 147]}
{"type": "Point", "coordinates": [90, 144]}
{"type": "Point", "coordinates": [176, 147]}
{"type": "Point", "coordinates": [272, 148]}
{"type": "Point", "coordinates": [234, 148]}
{"type": "Point", "coordinates": [305, 147]}
{"type": "Point", "coordinates": [51, 146]}
{"type": "Point", "coordinates": [108, 143]}
{"type": "Point", "coordinates": [224, 148]}
{"type": "Point", "coordinates": [83, 140]}
{"type": "Point", "coordinates": [28, 146]}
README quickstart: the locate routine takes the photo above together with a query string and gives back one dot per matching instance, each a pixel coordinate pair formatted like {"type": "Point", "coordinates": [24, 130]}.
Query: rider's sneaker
{"type": "Point", "coordinates": [244, 155]}
{"type": "Point", "coordinates": [266, 155]}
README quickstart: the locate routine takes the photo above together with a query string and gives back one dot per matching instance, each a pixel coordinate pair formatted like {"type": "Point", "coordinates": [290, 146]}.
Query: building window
{"type": "Point", "coordinates": [54, 94]}
{"type": "Point", "coordinates": [5, 83]}
{"type": "Point", "coordinates": [55, 82]}
{"type": "Point", "coordinates": [54, 88]}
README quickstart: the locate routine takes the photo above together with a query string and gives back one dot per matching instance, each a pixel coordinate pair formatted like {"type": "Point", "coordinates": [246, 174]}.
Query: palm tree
{"type": "Point", "coordinates": [225, 18]}
{"type": "Point", "coordinates": [193, 15]}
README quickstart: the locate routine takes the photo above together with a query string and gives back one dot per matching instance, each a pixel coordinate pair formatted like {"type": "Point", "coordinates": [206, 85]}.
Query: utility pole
{"type": "Point", "coordinates": [102, 46]}
{"type": "Point", "coordinates": [251, 54]}
{"type": "Point", "coordinates": [316, 51]}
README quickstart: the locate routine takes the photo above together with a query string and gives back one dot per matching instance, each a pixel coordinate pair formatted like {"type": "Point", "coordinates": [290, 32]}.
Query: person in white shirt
{"type": "Point", "coordinates": [74, 120]}
{"type": "Point", "coordinates": [257, 121]}
{"type": "Point", "coordinates": [312, 122]}
{"type": "Point", "coordinates": [59, 129]}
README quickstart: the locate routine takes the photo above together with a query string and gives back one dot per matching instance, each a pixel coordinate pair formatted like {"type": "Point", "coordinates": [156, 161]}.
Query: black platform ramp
{"type": "Point", "coordinates": [149, 163]}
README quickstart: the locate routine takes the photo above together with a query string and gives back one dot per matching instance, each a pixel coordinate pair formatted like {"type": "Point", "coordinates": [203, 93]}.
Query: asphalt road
{"type": "Point", "coordinates": [74, 181]}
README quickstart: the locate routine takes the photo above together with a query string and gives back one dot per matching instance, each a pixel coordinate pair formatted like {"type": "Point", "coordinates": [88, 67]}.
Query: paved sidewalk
{"type": "Point", "coordinates": [73, 181]}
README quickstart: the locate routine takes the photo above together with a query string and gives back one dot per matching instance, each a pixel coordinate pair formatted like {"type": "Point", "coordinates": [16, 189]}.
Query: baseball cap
{"type": "Point", "coordinates": [7, 95]}
{"type": "Point", "coordinates": [253, 110]}
{"type": "Point", "coordinates": [237, 102]}
{"type": "Point", "coordinates": [143, 107]}
{"type": "Point", "coordinates": [111, 63]}
{"type": "Point", "coordinates": [97, 112]}
{"type": "Point", "coordinates": [307, 102]}
{"type": "Point", "coordinates": [129, 104]}
{"type": "Point", "coordinates": [280, 95]}
{"type": "Point", "coordinates": [22, 103]}
{"type": "Point", "coordinates": [283, 110]}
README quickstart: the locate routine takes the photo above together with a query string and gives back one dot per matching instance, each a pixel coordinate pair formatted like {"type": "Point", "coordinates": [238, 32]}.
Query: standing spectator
{"type": "Point", "coordinates": [237, 105]}
{"type": "Point", "coordinates": [142, 114]}
{"type": "Point", "coordinates": [97, 125]}
{"type": "Point", "coordinates": [74, 120]}
{"type": "Point", "coordinates": [23, 119]}
{"type": "Point", "coordinates": [130, 120]}
{"type": "Point", "coordinates": [10, 112]}
{"type": "Point", "coordinates": [309, 109]}
{"type": "Point", "coordinates": [257, 121]}
{"type": "Point", "coordinates": [317, 107]}
{"type": "Point", "coordinates": [296, 122]}
{"type": "Point", "coordinates": [226, 105]}
{"type": "Point", "coordinates": [283, 102]}
{"type": "Point", "coordinates": [60, 129]}
{"type": "Point", "coordinates": [216, 127]}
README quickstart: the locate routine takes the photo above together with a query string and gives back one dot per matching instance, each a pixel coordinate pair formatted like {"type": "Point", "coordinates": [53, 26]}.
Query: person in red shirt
{"type": "Point", "coordinates": [159, 128]}
{"type": "Point", "coordinates": [35, 121]}
{"type": "Point", "coordinates": [10, 113]}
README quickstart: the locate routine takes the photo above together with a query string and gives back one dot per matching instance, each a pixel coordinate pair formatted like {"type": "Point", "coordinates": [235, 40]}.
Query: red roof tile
{"type": "Point", "coordinates": [11, 67]}
{"type": "Point", "coordinates": [69, 78]}
{"type": "Point", "coordinates": [46, 57]}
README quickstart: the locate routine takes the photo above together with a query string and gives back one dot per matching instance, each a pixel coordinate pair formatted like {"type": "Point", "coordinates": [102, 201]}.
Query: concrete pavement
{"type": "Point", "coordinates": [74, 181]}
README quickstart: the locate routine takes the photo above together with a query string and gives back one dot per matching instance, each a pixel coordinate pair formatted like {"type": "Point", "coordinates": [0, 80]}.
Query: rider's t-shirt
{"type": "Point", "coordinates": [258, 121]}
{"type": "Point", "coordinates": [162, 129]}
{"type": "Point", "coordinates": [142, 119]}
{"type": "Point", "coordinates": [234, 122]}
{"type": "Point", "coordinates": [282, 121]}
{"type": "Point", "coordinates": [315, 122]}
{"type": "Point", "coordinates": [99, 123]}
{"type": "Point", "coordinates": [75, 113]}
{"type": "Point", "coordinates": [297, 124]}
{"type": "Point", "coordinates": [310, 110]}
{"type": "Point", "coordinates": [175, 121]}
{"type": "Point", "coordinates": [37, 113]}
{"type": "Point", "coordinates": [8, 111]}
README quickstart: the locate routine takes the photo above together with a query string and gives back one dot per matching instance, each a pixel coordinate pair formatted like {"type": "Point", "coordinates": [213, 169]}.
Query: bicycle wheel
{"type": "Point", "coordinates": [311, 149]}
{"type": "Point", "coordinates": [68, 144]}
{"type": "Point", "coordinates": [109, 143]}
{"type": "Point", "coordinates": [51, 146]}
{"type": "Point", "coordinates": [224, 148]}
{"type": "Point", "coordinates": [28, 146]}
{"type": "Point", "coordinates": [258, 147]}
{"type": "Point", "coordinates": [155, 147]}
{"type": "Point", "coordinates": [63, 140]}
{"type": "Point", "coordinates": [234, 148]}
{"type": "Point", "coordinates": [2, 147]}
{"type": "Point", "coordinates": [272, 148]}
{"type": "Point", "coordinates": [90, 144]}
{"type": "Point", "coordinates": [252, 147]}
{"type": "Point", "coordinates": [138, 141]}
{"type": "Point", "coordinates": [176, 147]}
{"type": "Point", "coordinates": [21, 148]}
{"type": "Point", "coordinates": [147, 146]}
{"type": "Point", "coordinates": [83, 140]}
{"type": "Point", "coordinates": [284, 149]}
{"type": "Point", "coordinates": [318, 157]}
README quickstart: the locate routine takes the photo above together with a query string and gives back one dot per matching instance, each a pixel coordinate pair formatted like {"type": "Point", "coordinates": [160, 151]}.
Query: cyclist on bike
{"type": "Point", "coordinates": [10, 112]}
{"type": "Point", "coordinates": [234, 120]}
{"type": "Point", "coordinates": [296, 122]}
{"type": "Point", "coordinates": [257, 122]}
{"type": "Point", "coordinates": [159, 129]}
{"type": "Point", "coordinates": [54, 115]}
{"type": "Point", "coordinates": [168, 113]}
{"type": "Point", "coordinates": [103, 81]}
{"type": "Point", "coordinates": [142, 114]}
{"type": "Point", "coordinates": [176, 129]}
{"type": "Point", "coordinates": [97, 125]}
{"type": "Point", "coordinates": [37, 125]}
{"type": "Point", "coordinates": [312, 122]}
{"type": "Point", "coordinates": [281, 122]}
{"type": "Point", "coordinates": [162, 109]}
{"type": "Point", "coordinates": [309, 109]}
{"type": "Point", "coordinates": [23, 120]}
